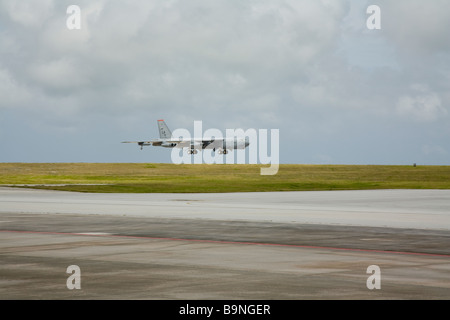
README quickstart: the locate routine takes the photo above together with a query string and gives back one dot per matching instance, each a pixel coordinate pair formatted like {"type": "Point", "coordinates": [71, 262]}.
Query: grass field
{"type": "Point", "coordinates": [145, 178]}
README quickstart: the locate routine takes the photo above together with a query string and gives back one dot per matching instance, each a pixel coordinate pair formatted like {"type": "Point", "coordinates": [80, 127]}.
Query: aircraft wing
{"type": "Point", "coordinates": [155, 142]}
{"type": "Point", "coordinates": [141, 143]}
{"type": "Point", "coordinates": [197, 143]}
{"type": "Point", "coordinates": [183, 143]}
{"type": "Point", "coordinates": [212, 143]}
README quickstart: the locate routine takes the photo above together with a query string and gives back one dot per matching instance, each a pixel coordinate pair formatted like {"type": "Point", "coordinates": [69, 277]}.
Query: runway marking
{"type": "Point", "coordinates": [100, 234]}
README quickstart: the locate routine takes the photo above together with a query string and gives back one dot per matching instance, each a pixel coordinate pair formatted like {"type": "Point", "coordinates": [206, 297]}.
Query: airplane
{"type": "Point", "coordinates": [223, 145]}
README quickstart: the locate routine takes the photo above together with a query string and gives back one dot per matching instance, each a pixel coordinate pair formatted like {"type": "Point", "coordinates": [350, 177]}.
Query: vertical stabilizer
{"type": "Point", "coordinates": [164, 132]}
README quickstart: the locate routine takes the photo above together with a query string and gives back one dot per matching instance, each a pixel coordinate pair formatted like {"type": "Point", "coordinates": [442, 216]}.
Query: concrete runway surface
{"type": "Point", "coordinates": [275, 245]}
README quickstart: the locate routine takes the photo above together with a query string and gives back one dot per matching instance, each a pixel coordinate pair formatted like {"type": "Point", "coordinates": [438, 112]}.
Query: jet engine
{"type": "Point", "coordinates": [168, 145]}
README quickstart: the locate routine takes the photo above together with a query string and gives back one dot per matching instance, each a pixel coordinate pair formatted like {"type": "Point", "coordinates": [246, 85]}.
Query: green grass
{"type": "Point", "coordinates": [145, 178]}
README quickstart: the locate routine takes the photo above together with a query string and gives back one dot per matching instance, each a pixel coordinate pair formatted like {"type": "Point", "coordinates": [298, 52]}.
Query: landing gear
{"type": "Point", "coordinates": [224, 151]}
{"type": "Point", "coordinates": [192, 151]}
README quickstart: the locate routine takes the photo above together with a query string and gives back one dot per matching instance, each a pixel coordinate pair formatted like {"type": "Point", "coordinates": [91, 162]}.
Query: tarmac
{"type": "Point", "coordinates": [248, 246]}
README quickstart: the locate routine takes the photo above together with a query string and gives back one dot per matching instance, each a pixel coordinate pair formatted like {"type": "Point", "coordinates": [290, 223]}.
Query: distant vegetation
{"type": "Point", "coordinates": [160, 177]}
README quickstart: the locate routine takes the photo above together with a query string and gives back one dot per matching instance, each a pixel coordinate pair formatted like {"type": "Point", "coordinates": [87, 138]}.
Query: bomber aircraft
{"type": "Point", "coordinates": [222, 145]}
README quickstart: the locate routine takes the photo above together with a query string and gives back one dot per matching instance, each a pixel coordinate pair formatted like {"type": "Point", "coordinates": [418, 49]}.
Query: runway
{"type": "Point", "coordinates": [291, 245]}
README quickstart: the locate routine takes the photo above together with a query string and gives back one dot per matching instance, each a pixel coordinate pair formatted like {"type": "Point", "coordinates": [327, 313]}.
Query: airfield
{"type": "Point", "coordinates": [242, 245]}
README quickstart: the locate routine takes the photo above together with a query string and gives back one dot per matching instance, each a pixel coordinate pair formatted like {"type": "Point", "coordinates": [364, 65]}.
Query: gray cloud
{"type": "Point", "coordinates": [337, 91]}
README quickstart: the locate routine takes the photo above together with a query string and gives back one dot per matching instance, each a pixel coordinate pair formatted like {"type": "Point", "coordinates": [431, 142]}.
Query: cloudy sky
{"type": "Point", "coordinates": [337, 91]}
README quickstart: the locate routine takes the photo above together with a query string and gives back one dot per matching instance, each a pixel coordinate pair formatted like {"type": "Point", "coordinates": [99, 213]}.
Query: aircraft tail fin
{"type": "Point", "coordinates": [164, 132]}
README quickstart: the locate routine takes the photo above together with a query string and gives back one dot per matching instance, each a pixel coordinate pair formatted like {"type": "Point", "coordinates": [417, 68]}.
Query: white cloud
{"type": "Point", "coordinates": [12, 94]}
{"type": "Point", "coordinates": [28, 13]}
{"type": "Point", "coordinates": [59, 74]}
{"type": "Point", "coordinates": [423, 106]}
{"type": "Point", "coordinates": [416, 27]}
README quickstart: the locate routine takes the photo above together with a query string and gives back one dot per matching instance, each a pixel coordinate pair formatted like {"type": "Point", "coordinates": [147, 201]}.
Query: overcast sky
{"type": "Point", "coordinates": [339, 92]}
